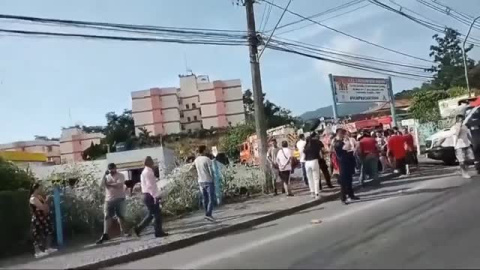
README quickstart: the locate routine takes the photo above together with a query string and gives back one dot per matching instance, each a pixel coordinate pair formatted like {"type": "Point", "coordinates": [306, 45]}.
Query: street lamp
{"type": "Point", "coordinates": [465, 55]}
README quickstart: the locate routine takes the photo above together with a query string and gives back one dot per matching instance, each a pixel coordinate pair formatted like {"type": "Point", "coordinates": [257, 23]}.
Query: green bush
{"type": "Point", "coordinates": [13, 178]}
{"type": "Point", "coordinates": [81, 203]}
{"type": "Point", "coordinates": [15, 223]}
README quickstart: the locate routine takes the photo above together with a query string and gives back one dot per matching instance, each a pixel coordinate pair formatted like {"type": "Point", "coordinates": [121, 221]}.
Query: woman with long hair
{"type": "Point", "coordinates": [42, 229]}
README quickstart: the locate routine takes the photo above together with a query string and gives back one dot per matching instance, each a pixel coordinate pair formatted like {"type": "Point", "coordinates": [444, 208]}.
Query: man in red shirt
{"type": "Point", "coordinates": [369, 154]}
{"type": "Point", "coordinates": [396, 148]}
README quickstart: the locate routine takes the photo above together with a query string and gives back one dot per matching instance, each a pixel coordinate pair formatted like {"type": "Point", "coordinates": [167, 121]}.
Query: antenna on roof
{"type": "Point", "coordinates": [187, 69]}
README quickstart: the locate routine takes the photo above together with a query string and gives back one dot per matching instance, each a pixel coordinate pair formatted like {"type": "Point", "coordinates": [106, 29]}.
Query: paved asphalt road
{"type": "Point", "coordinates": [431, 221]}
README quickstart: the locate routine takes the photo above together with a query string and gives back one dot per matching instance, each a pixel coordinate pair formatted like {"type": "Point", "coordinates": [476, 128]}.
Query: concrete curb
{"type": "Point", "coordinates": [150, 252]}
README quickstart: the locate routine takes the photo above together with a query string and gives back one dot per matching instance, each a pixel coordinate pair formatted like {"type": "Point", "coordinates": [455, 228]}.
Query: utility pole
{"type": "Point", "coordinates": [260, 123]}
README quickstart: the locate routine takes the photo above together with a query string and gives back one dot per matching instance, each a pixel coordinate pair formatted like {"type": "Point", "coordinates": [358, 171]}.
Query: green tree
{"type": "Point", "coordinates": [474, 76]}
{"type": "Point", "coordinates": [95, 151]}
{"type": "Point", "coordinates": [448, 57]}
{"type": "Point", "coordinates": [230, 143]}
{"type": "Point", "coordinates": [425, 105]}
{"type": "Point", "coordinates": [275, 115]}
{"type": "Point", "coordinates": [14, 178]}
{"type": "Point", "coordinates": [144, 138]}
{"type": "Point", "coordinates": [120, 129]}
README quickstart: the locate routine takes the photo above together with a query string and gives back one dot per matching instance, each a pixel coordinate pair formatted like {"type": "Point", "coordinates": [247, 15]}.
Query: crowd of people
{"type": "Point", "coordinates": [367, 152]}
{"type": "Point", "coordinates": [340, 154]}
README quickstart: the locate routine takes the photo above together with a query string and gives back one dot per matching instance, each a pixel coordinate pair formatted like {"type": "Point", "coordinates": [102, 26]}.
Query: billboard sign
{"type": "Point", "coordinates": [355, 89]}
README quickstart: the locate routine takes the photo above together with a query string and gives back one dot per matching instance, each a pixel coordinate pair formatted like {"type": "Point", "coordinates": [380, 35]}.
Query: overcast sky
{"type": "Point", "coordinates": [47, 83]}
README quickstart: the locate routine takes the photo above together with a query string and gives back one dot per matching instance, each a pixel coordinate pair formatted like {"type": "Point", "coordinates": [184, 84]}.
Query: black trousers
{"type": "Point", "coordinates": [324, 167]}
{"type": "Point", "coordinates": [346, 179]}
{"type": "Point", "coordinates": [154, 213]}
{"type": "Point", "coordinates": [401, 164]}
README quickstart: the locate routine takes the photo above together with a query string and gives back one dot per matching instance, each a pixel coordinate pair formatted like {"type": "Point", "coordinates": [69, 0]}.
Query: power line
{"type": "Point", "coordinates": [111, 26]}
{"type": "Point", "coordinates": [459, 16]}
{"type": "Point", "coordinates": [334, 9]}
{"type": "Point", "coordinates": [356, 65]}
{"type": "Point", "coordinates": [428, 24]}
{"type": "Point", "coordinates": [267, 17]}
{"type": "Point", "coordinates": [120, 38]}
{"type": "Point", "coordinates": [276, 25]}
{"type": "Point", "coordinates": [326, 19]}
{"type": "Point", "coordinates": [351, 36]}
{"type": "Point", "coordinates": [328, 51]}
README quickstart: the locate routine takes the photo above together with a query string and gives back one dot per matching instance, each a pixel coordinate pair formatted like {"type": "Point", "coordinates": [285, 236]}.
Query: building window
{"type": "Point", "coordinates": [188, 119]}
{"type": "Point", "coordinates": [195, 118]}
{"type": "Point", "coordinates": [194, 106]}
{"type": "Point", "coordinates": [187, 106]}
{"type": "Point", "coordinates": [183, 127]}
{"type": "Point", "coordinates": [49, 148]}
{"type": "Point", "coordinates": [181, 114]}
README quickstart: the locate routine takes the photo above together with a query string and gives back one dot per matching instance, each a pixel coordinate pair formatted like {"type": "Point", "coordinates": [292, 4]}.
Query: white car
{"type": "Point", "coordinates": [440, 145]}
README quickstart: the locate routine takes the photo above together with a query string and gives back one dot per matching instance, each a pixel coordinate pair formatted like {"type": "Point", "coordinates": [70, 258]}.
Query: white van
{"type": "Point", "coordinates": [439, 146]}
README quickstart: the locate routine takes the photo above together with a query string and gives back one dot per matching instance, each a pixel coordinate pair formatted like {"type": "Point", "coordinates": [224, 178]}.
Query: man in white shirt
{"type": "Point", "coordinates": [151, 199]}
{"type": "Point", "coordinates": [204, 167]}
{"type": "Point", "coordinates": [284, 162]}
{"type": "Point", "coordinates": [301, 147]}
{"type": "Point", "coordinates": [115, 205]}
{"type": "Point", "coordinates": [462, 143]}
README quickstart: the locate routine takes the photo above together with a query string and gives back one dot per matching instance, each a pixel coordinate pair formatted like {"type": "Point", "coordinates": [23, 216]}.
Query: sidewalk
{"type": "Point", "coordinates": [183, 232]}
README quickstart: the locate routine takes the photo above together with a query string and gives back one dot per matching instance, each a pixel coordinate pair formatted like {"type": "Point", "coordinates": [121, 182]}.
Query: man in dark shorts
{"type": "Point", "coordinates": [114, 183]}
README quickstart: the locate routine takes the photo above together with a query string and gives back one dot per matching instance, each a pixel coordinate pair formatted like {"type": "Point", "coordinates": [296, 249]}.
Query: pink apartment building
{"type": "Point", "coordinates": [197, 104]}
{"type": "Point", "coordinates": [74, 141]}
{"type": "Point", "coordinates": [50, 148]}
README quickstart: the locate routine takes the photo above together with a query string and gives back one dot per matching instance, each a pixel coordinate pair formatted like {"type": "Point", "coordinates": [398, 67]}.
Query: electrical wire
{"type": "Point", "coordinates": [444, 9]}
{"type": "Point", "coordinates": [276, 25]}
{"type": "Point", "coordinates": [428, 24]}
{"type": "Point", "coordinates": [121, 38]}
{"type": "Point", "coordinates": [323, 20]}
{"type": "Point", "coordinates": [356, 66]}
{"type": "Point", "coordinates": [334, 9]}
{"type": "Point", "coordinates": [267, 17]}
{"type": "Point", "coordinates": [328, 51]}
{"type": "Point", "coordinates": [352, 36]}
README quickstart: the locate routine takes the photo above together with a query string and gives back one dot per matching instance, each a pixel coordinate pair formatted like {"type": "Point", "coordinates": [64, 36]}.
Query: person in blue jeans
{"type": "Point", "coordinates": [204, 167]}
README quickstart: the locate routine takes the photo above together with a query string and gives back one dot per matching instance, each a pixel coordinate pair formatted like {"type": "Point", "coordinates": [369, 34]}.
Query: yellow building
{"type": "Point", "coordinates": [23, 157]}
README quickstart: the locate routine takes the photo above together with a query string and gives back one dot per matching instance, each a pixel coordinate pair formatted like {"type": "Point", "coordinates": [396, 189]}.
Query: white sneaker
{"type": "Point", "coordinates": [210, 218]}
{"type": "Point", "coordinates": [396, 171]}
{"type": "Point", "coordinates": [51, 250]}
{"type": "Point", "coordinates": [40, 254]}
{"type": "Point", "coordinates": [466, 175]}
